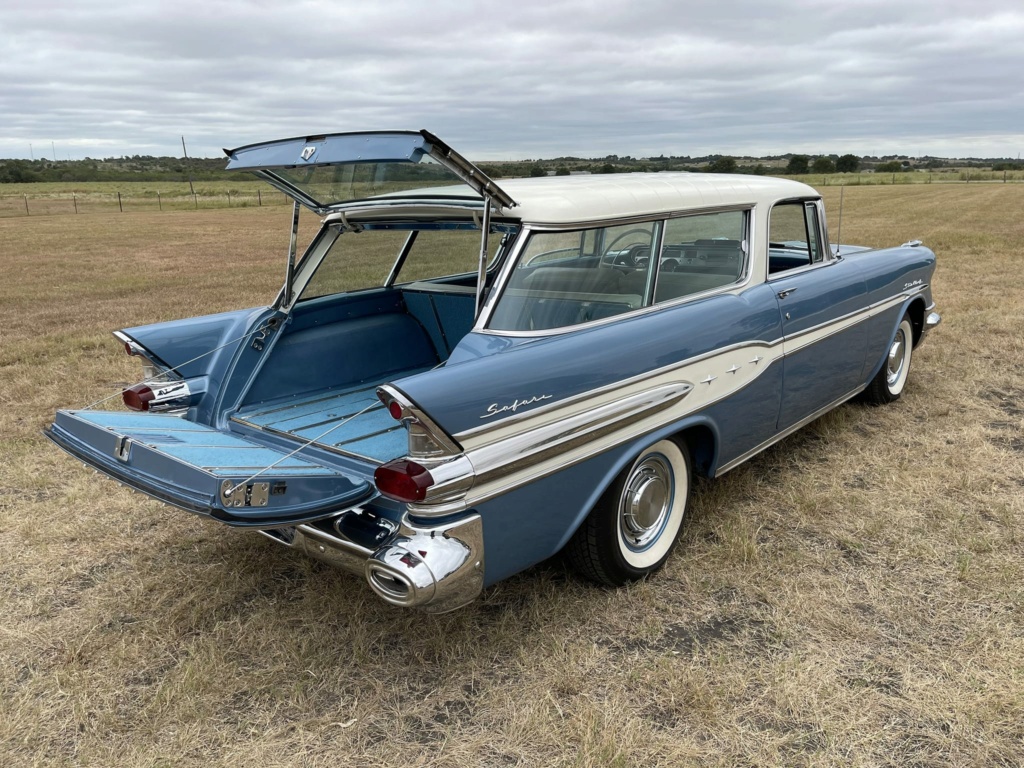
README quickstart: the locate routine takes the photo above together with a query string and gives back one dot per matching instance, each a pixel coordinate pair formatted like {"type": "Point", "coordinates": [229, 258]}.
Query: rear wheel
{"type": "Point", "coordinates": [890, 380]}
{"type": "Point", "coordinates": [634, 526]}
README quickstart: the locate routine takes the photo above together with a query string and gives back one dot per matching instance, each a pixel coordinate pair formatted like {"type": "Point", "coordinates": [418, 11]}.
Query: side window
{"type": "Point", "coordinates": [440, 253]}
{"type": "Point", "coordinates": [700, 253]}
{"type": "Point", "coordinates": [567, 278]}
{"type": "Point", "coordinates": [794, 237]}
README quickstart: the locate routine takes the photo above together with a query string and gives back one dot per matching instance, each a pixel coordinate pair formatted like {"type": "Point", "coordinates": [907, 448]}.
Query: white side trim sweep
{"type": "Point", "coordinates": [541, 441]}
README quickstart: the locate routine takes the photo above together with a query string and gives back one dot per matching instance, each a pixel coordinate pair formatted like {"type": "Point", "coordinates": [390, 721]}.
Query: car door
{"type": "Point", "coordinates": [820, 297]}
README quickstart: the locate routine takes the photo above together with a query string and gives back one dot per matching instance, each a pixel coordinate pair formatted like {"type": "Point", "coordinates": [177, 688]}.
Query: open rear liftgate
{"type": "Point", "coordinates": [305, 504]}
{"type": "Point", "coordinates": [205, 470]}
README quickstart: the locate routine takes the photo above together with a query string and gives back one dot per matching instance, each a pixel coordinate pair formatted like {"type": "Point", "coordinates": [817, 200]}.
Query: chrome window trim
{"type": "Point", "coordinates": [310, 262]}
{"type": "Point", "coordinates": [799, 270]}
{"type": "Point", "coordinates": [527, 230]}
{"type": "Point", "coordinates": [823, 229]}
{"type": "Point", "coordinates": [828, 257]}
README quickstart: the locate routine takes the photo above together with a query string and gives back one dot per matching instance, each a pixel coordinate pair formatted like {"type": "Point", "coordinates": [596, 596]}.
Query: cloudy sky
{"type": "Point", "coordinates": [516, 80]}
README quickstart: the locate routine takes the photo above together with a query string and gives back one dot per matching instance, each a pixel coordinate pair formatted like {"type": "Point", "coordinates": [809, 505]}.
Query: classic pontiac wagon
{"type": "Point", "coordinates": [458, 380]}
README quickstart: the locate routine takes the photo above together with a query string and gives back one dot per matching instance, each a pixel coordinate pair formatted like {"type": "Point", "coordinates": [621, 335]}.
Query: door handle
{"type": "Point", "coordinates": [785, 293]}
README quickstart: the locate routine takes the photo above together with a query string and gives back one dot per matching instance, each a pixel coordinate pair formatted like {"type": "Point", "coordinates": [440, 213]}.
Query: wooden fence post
{"type": "Point", "coordinates": [121, 207]}
{"type": "Point", "coordinates": [259, 198]}
{"type": "Point", "coordinates": [74, 198]}
{"type": "Point", "coordinates": [159, 203]}
{"type": "Point", "coordinates": [26, 206]}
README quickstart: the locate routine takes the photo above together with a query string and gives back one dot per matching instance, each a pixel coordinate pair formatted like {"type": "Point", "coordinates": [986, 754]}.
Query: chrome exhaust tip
{"type": "Point", "coordinates": [436, 569]}
{"type": "Point", "coordinates": [400, 577]}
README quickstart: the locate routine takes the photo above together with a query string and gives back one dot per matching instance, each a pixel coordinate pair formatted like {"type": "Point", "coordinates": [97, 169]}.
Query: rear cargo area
{"type": "Point", "coordinates": [319, 382]}
{"type": "Point", "coordinates": [350, 421]}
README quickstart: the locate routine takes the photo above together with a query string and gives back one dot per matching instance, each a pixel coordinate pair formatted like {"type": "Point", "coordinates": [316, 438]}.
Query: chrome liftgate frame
{"type": "Point", "coordinates": [481, 274]}
{"type": "Point", "coordinates": [290, 269]}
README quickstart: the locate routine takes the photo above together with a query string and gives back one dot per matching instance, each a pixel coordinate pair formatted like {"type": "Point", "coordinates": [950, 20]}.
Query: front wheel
{"type": "Point", "coordinates": [888, 384]}
{"type": "Point", "coordinates": [636, 522]}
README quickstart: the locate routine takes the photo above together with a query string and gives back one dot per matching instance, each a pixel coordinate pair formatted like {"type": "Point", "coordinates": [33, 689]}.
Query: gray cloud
{"type": "Point", "coordinates": [525, 80]}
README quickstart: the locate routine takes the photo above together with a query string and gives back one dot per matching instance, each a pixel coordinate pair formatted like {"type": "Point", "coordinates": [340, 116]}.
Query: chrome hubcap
{"type": "Point", "coordinates": [897, 355]}
{"type": "Point", "coordinates": [645, 502]}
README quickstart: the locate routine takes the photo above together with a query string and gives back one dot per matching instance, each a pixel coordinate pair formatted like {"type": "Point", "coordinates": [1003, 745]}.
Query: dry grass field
{"type": "Point", "coordinates": [853, 596]}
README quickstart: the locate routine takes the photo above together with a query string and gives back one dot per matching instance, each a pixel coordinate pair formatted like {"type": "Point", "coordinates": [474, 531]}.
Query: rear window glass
{"type": "Point", "coordinates": [361, 260]}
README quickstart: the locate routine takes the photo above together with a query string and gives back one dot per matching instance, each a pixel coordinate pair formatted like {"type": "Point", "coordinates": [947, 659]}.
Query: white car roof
{"type": "Point", "coordinates": [567, 200]}
{"type": "Point", "coordinates": [595, 197]}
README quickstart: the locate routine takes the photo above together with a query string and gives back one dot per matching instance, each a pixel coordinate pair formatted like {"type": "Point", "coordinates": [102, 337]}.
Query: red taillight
{"type": "Point", "coordinates": [137, 398]}
{"type": "Point", "coordinates": [395, 409]}
{"type": "Point", "coordinates": [128, 349]}
{"type": "Point", "coordinates": [403, 480]}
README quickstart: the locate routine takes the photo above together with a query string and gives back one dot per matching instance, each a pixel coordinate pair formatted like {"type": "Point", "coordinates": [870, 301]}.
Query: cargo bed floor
{"type": "Point", "coordinates": [352, 421]}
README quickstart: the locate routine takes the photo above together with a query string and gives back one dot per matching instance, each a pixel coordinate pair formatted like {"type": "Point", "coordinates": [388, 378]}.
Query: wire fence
{"type": "Point", "coordinates": [886, 178]}
{"type": "Point", "coordinates": [59, 203]}
{"type": "Point", "coordinates": [52, 200]}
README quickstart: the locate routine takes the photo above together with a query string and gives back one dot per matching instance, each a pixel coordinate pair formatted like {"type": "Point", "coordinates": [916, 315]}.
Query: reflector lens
{"type": "Point", "coordinates": [137, 398]}
{"type": "Point", "coordinates": [128, 350]}
{"type": "Point", "coordinates": [395, 409]}
{"type": "Point", "coordinates": [403, 480]}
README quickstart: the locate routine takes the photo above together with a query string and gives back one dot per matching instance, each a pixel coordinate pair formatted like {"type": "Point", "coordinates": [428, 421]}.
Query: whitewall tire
{"type": "Point", "coordinates": [636, 523]}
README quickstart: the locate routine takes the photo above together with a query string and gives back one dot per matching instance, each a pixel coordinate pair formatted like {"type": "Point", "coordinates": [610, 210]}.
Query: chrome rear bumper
{"type": "Point", "coordinates": [437, 568]}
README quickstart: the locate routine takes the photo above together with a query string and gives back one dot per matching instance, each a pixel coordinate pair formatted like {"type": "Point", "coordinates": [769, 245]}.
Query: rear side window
{"type": "Point", "coordinates": [701, 253]}
{"type": "Point", "coordinates": [567, 278]}
{"type": "Point", "coordinates": [364, 259]}
{"type": "Point", "coordinates": [564, 279]}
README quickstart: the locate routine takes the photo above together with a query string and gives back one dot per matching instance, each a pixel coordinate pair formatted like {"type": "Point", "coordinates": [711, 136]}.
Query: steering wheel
{"type": "Point", "coordinates": [625, 260]}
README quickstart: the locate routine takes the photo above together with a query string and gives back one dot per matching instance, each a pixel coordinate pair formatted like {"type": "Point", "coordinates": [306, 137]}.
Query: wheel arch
{"type": "Point", "coordinates": [914, 305]}
{"type": "Point", "coordinates": [698, 433]}
{"type": "Point", "coordinates": [916, 310]}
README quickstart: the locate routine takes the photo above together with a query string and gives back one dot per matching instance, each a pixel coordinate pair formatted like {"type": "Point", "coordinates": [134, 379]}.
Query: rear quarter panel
{"type": "Point", "coordinates": [889, 273]}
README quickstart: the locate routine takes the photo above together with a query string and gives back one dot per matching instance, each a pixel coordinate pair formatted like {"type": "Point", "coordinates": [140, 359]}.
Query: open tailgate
{"type": "Point", "coordinates": [193, 466]}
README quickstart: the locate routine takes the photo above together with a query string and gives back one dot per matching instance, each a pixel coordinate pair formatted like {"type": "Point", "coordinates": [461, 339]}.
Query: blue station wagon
{"type": "Point", "coordinates": [458, 379]}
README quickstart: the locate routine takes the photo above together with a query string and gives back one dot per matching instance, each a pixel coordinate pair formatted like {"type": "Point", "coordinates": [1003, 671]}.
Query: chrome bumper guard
{"type": "Point", "coordinates": [931, 319]}
{"type": "Point", "coordinates": [437, 568]}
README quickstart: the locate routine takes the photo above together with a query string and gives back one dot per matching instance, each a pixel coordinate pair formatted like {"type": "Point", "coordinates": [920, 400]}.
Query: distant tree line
{"type": "Point", "coordinates": [790, 165]}
{"type": "Point", "coordinates": [147, 168]}
{"type": "Point", "coordinates": [135, 168]}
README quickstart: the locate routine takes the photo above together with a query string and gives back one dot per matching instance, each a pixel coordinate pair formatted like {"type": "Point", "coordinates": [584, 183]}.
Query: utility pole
{"type": "Point", "coordinates": [54, 148]}
{"type": "Point", "coordinates": [189, 167]}
{"type": "Point", "coordinates": [33, 154]}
